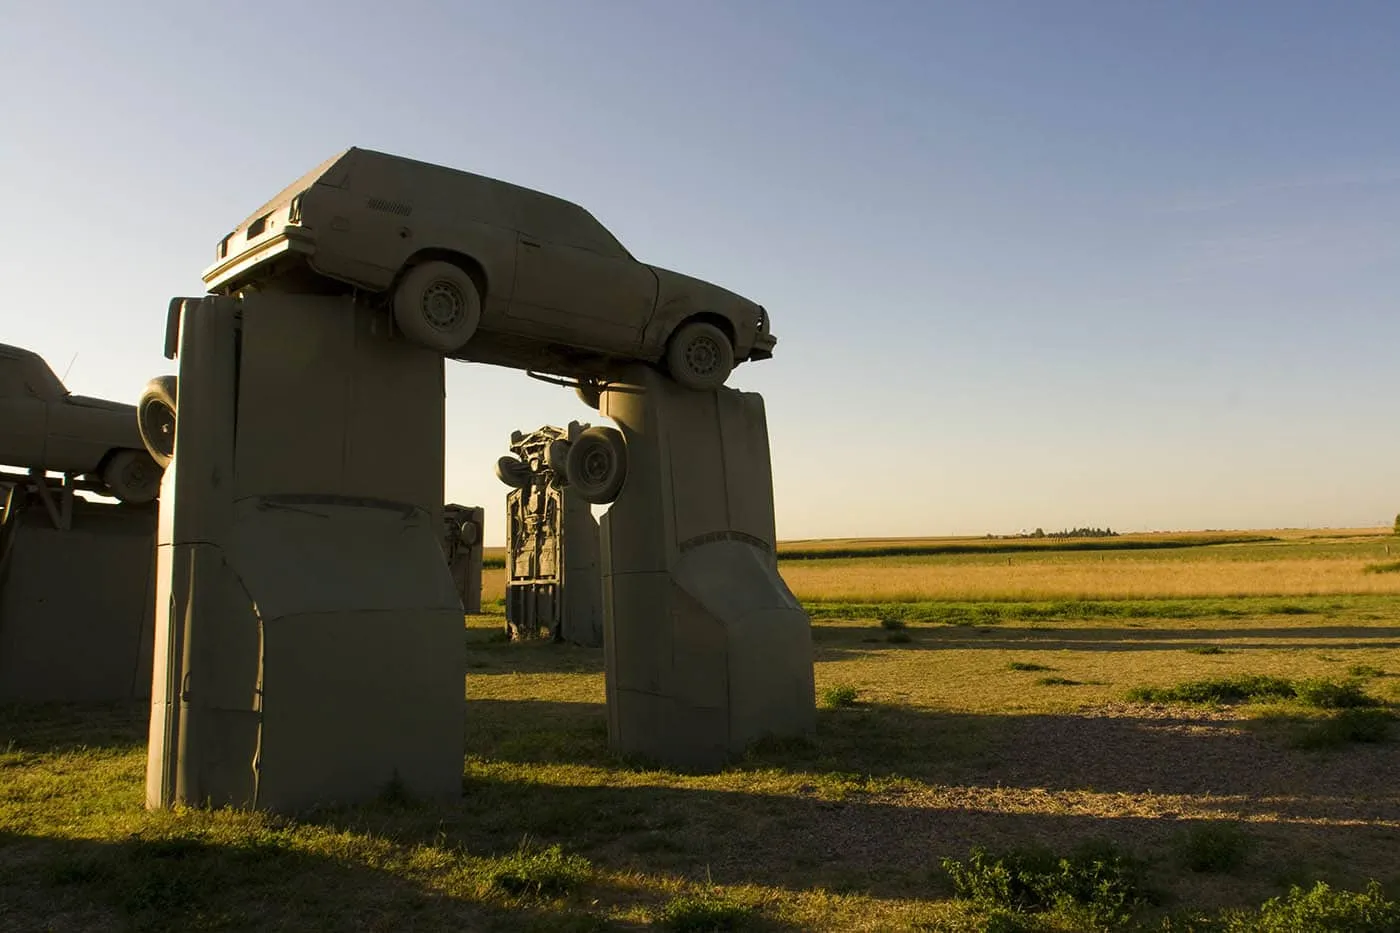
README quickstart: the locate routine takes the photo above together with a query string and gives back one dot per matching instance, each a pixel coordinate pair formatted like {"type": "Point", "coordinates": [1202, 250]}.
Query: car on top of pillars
{"type": "Point", "coordinates": [484, 270]}
{"type": "Point", "coordinates": [45, 427]}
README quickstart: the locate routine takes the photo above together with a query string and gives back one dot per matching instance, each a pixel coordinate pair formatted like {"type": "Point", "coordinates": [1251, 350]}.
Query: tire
{"type": "Point", "coordinates": [468, 533]}
{"type": "Point", "coordinates": [700, 356]}
{"type": "Point", "coordinates": [556, 457]}
{"type": "Point", "coordinates": [598, 465]}
{"type": "Point", "coordinates": [513, 472]}
{"type": "Point", "coordinates": [132, 476]}
{"type": "Point", "coordinates": [437, 306]}
{"type": "Point", "coordinates": [155, 417]}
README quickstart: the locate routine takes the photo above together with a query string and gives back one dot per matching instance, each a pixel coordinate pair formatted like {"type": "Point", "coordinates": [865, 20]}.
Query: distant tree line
{"type": "Point", "coordinates": [1088, 533]}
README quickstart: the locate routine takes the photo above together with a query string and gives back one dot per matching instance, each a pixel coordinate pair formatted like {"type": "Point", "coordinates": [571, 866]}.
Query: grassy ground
{"type": "Point", "coordinates": [992, 723]}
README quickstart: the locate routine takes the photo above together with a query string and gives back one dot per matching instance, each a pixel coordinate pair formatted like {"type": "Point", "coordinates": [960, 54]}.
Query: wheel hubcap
{"type": "Point", "coordinates": [702, 356]}
{"type": "Point", "coordinates": [443, 305]}
{"type": "Point", "coordinates": [596, 465]}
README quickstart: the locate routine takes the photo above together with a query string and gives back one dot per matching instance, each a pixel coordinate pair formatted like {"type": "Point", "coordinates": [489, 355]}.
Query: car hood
{"type": "Point", "coordinates": [86, 401]}
{"type": "Point", "coordinates": [675, 289]}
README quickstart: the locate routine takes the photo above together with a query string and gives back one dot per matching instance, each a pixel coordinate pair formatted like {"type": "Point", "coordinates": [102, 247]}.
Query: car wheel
{"type": "Point", "coordinates": [513, 472]}
{"type": "Point", "coordinates": [155, 418]}
{"type": "Point", "coordinates": [437, 305]}
{"type": "Point", "coordinates": [700, 356]}
{"type": "Point", "coordinates": [598, 465]}
{"type": "Point", "coordinates": [556, 457]}
{"type": "Point", "coordinates": [468, 533]}
{"type": "Point", "coordinates": [132, 476]}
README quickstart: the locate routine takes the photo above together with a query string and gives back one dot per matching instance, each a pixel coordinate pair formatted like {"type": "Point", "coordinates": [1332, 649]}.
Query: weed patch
{"type": "Point", "coordinates": [839, 696]}
{"type": "Point", "coordinates": [1345, 727]}
{"type": "Point", "coordinates": [1095, 879]}
{"type": "Point", "coordinates": [1244, 688]}
{"type": "Point", "coordinates": [1027, 666]}
{"type": "Point", "coordinates": [1365, 671]}
{"type": "Point", "coordinates": [1058, 682]}
{"type": "Point", "coordinates": [1322, 909]}
{"type": "Point", "coordinates": [1390, 566]}
{"type": "Point", "coordinates": [893, 623]}
{"type": "Point", "coordinates": [1206, 649]}
{"type": "Point", "coordinates": [1328, 694]}
{"type": "Point", "coordinates": [547, 872]}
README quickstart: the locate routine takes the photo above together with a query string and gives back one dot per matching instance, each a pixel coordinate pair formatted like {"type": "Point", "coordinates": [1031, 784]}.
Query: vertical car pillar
{"type": "Point", "coordinates": [308, 635]}
{"type": "Point", "coordinates": [705, 647]}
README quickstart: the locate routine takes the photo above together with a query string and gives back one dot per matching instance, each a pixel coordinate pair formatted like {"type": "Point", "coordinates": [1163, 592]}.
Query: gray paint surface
{"type": "Point", "coordinates": [706, 649]}
{"type": "Point", "coordinates": [312, 647]}
{"type": "Point", "coordinates": [76, 602]}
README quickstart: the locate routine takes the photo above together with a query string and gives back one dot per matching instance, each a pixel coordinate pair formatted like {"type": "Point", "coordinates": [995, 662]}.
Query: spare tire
{"type": "Point", "coordinates": [513, 472]}
{"type": "Point", "coordinates": [155, 418]}
{"type": "Point", "coordinates": [598, 465]}
{"type": "Point", "coordinates": [132, 476]}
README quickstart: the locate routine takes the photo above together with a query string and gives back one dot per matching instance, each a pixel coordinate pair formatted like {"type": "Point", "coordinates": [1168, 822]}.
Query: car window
{"type": "Point", "coordinates": [561, 222]}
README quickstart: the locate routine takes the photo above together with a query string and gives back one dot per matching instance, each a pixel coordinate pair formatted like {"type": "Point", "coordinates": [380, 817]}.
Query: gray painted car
{"type": "Point", "coordinates": [484, 270]}
{"type": "Point", "coordinates": [43, 426]}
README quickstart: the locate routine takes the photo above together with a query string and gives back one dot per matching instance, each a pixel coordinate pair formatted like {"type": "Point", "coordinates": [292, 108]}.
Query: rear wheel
{"type": "Point", "coordinates": [700, 356]}
{"type": "Point", "coordinates": [155, 417]}
{"type": "Point", "coordinates": [132, 476]}
{"type": "Point", "coordinates": [437, 305]}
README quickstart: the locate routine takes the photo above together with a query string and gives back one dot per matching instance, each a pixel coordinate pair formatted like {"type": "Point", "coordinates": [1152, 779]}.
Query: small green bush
{"type": "Point", "coordinates": [1391, 566]}
{"type": "Point", "coordinates": [1206, 649]}
{"type": "Point", "coordinates": [1329, 694]}
{"type": "Point", "coordinates": [1095, 880]}
{"type": "Point", "coordinates": [703, 913]}
{"type": "Point", "coordinates": [543, 872]}
{"type": "Point", "coordinates": [1365, 671]}
{"type": "Point", "coordinates": [1238, 689]}
{"type": "Point", "coordinates": [1320, 910]}
{"type": "Point", "coordinates": [839, 696]}
{"type": "Point", "coordinates": [1028, 666]}
{"type": "Point", "coordinates": [1213, 848]}
{"type": "Point", "coordinates": [1057, 682]}
{"type": "Point", "coordinates": [892, 624]}
{"type": "Point", "coordinates": [1345, 727]}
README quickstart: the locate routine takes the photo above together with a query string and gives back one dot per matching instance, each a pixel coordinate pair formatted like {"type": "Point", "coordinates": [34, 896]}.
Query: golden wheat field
{"type": "Point", "coordinates": [1267, 563]}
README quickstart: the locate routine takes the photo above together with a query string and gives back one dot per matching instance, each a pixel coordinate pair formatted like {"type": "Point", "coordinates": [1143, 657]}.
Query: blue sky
{"type": "Point", "coordinates": [1029, 264]}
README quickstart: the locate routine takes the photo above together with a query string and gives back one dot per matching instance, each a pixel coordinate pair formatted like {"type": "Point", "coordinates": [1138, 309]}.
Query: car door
{"type": "Point", "coordinates": [574, 284]}
{"type": "Point", "coordinates": [23, 416]}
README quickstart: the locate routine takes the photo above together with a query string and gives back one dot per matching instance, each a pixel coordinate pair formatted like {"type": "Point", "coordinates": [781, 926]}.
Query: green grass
{"type": "Point", "coordinates": [1241, 688]}
{"type": "Point", "coordinates": [1213, 848]}
{"type": "Point", "coordinates": [934, 750]}
{"type": "Point", "coordinates": [1097, 881]}
{"type": "Point", "coordinates": [839, 696]}
{"type": "Point", "coordinates": [1321, 909]}
{"type": "Point", "coordinates": [704, 913]}
{"type": "Point", "coordinates": [1392, 566]}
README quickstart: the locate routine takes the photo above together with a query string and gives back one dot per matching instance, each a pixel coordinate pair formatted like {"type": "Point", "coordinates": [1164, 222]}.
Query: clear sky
{"type": "Point", "coordinates": [1029, 264]}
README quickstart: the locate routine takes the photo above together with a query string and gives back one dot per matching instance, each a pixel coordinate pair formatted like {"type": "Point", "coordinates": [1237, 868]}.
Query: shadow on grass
{"type": "Point", "coordinates": [835, 641]}
{"type": "Point", "coordinates": [1161, 752]}
{"type": "Point", "coordinates": [181, 882]}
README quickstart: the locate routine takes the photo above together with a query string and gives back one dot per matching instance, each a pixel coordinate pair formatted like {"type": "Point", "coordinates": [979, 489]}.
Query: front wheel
{"type": "Point", "coordinates": [700, 356]}
{"type": "Point", "coordinates": [155, 418]}
{"type": "Point", "coordinates": [437, 305]}
{"type": "Point", "coordinates": [132, 476]}
{"type": "Point", "coordinates": [598, 465]}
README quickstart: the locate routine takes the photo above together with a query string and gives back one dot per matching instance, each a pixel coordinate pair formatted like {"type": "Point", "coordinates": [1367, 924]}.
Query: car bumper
{"type": "Point", "coordinates": [288, 239]}
{"type": "Point", "coordinates": [763, 346]}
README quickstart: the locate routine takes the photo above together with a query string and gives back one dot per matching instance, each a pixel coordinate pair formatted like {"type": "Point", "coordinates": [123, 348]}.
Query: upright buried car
{"type": "Point", "coordinates": [43, 426]}
{"type": "Point", "coordinates": [484, 270]}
